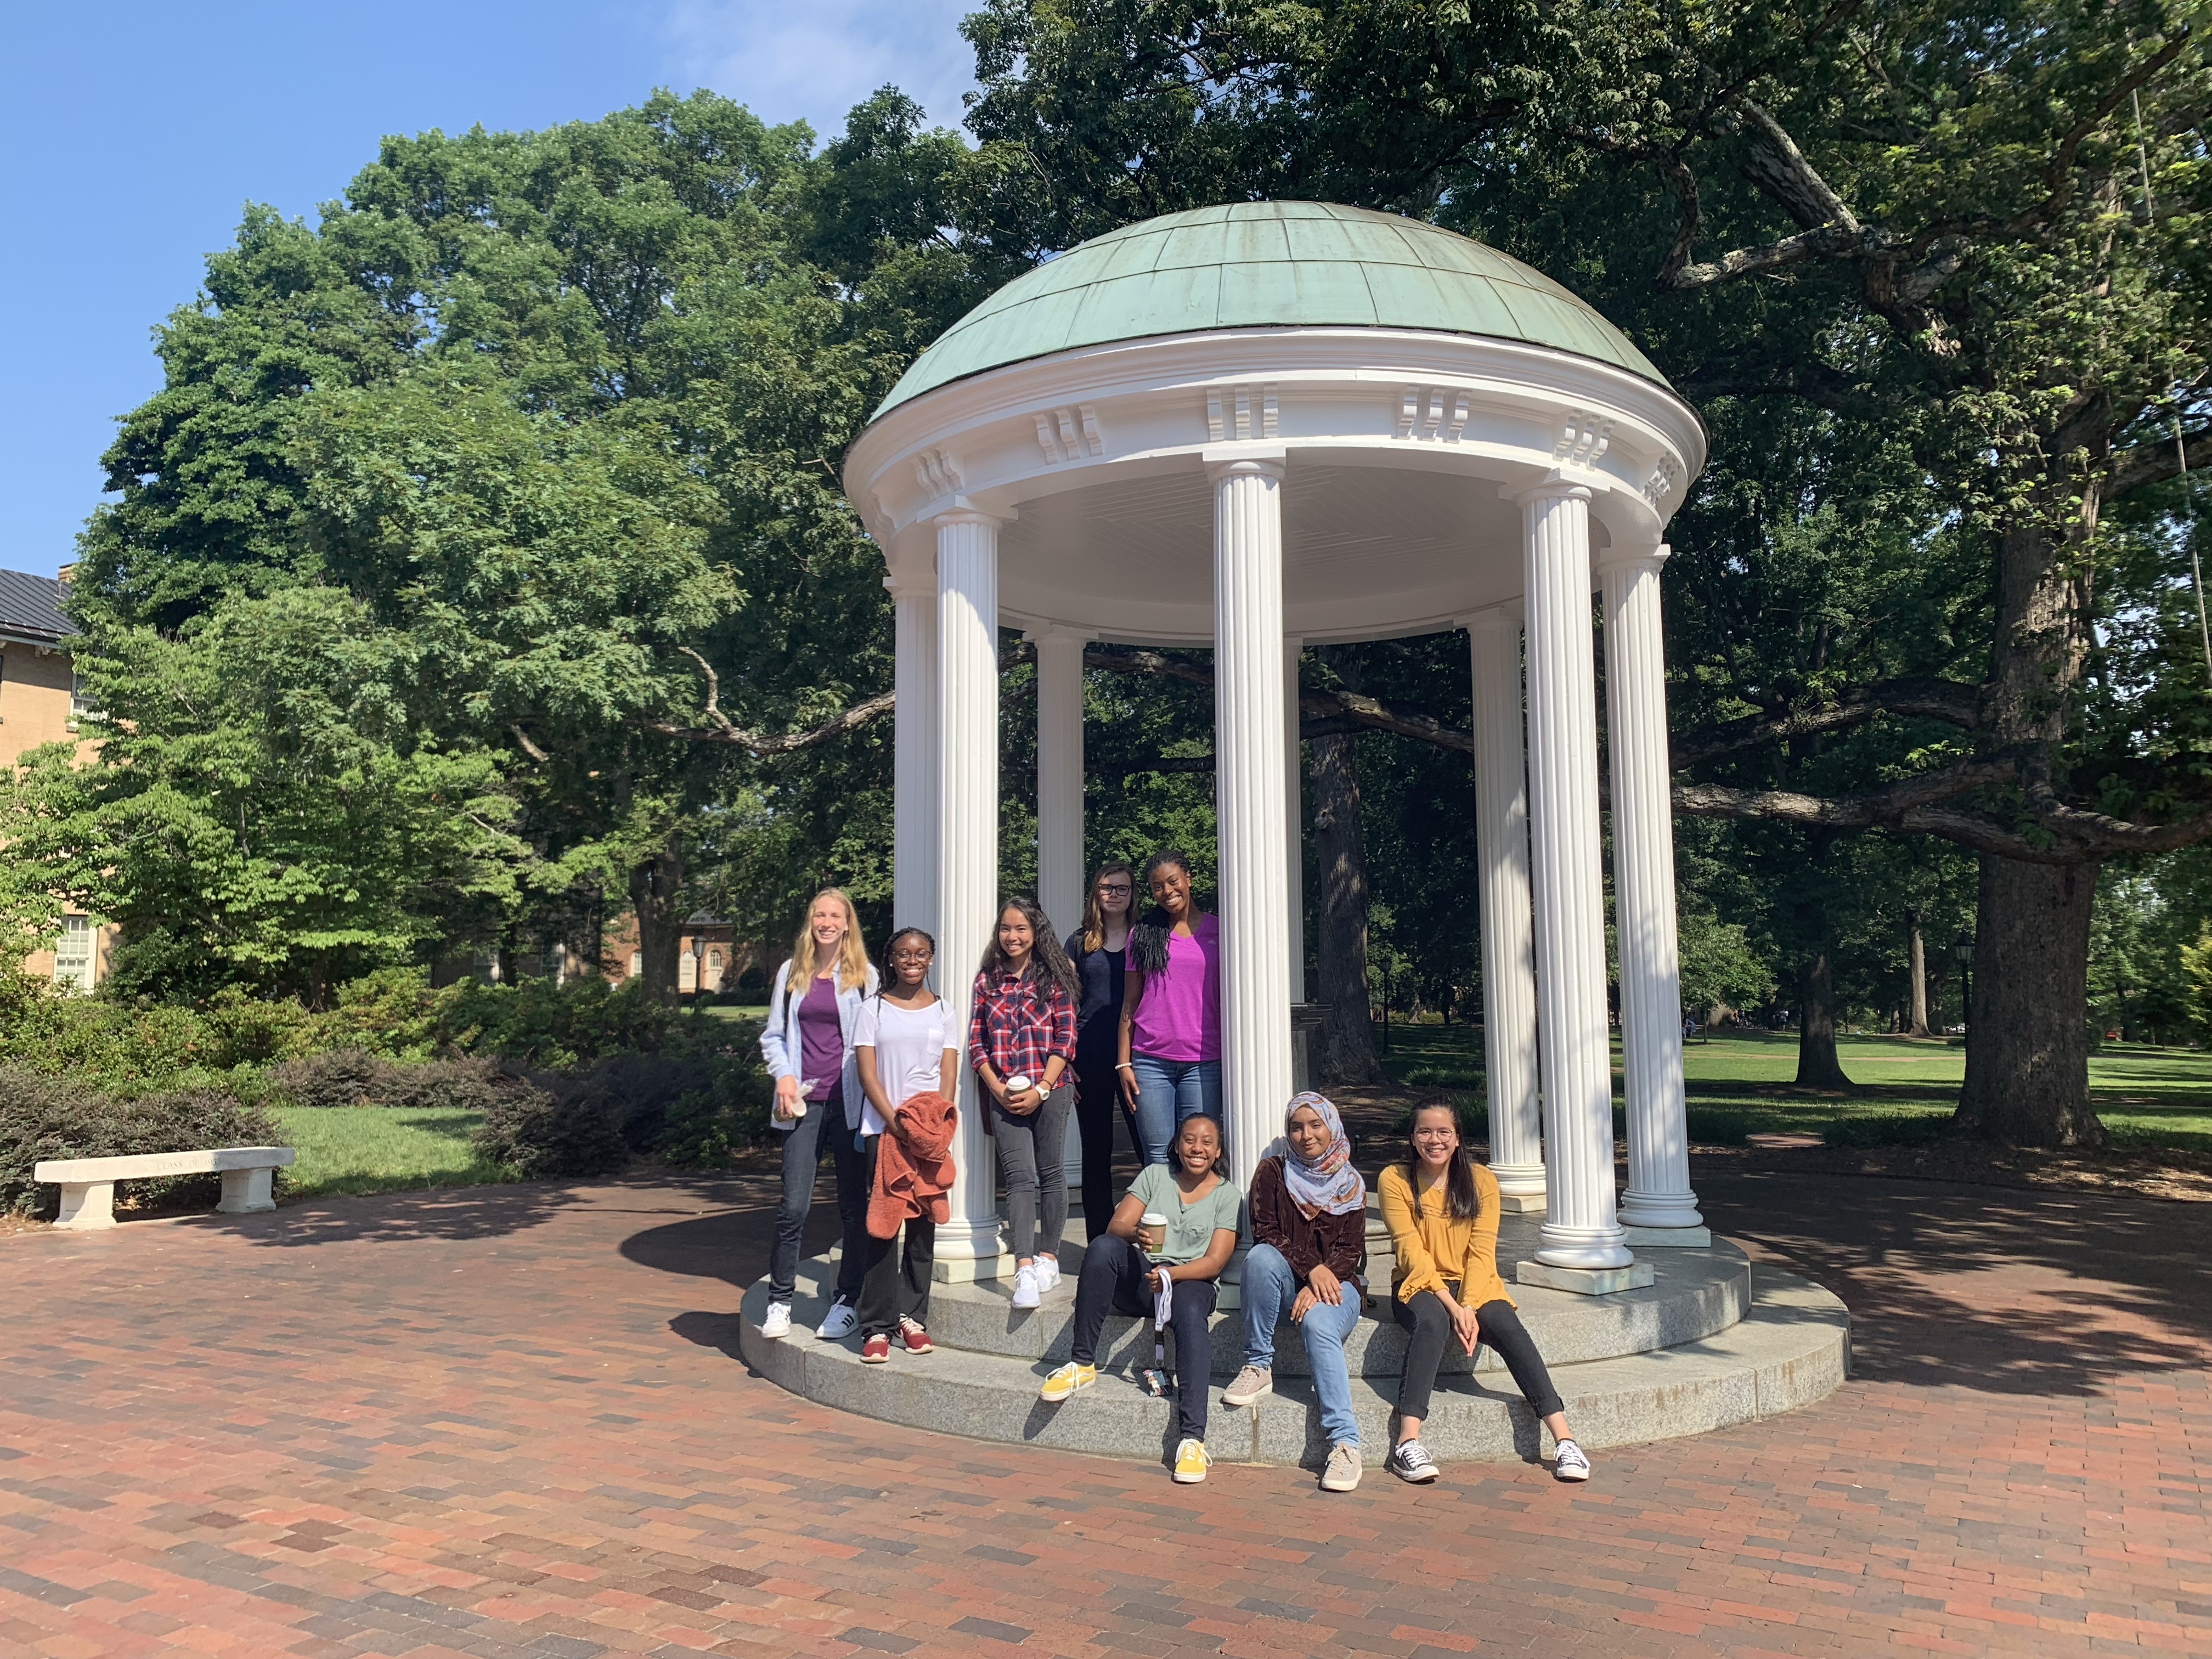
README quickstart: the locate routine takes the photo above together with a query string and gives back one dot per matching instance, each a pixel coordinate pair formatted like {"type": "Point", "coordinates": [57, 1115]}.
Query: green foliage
{"type": "Point", "coordinates": [549, 1137]}
{"type": "Point", "coordinates": [1719, 965]}
{"type": "Point", "coordinates": [1887, 1130]}
{"type": "Point", "coordinates": [44, 1116]}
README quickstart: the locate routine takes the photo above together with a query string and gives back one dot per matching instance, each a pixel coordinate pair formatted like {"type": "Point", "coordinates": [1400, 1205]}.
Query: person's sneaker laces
{"type": "Point", "coordinates": [1342, 1473]}
{"type": "Point", "coordinates": [1047, 1272]}
{"type": "Point", "coordinates": [778, 1321]}
{"type": "Point", "coordinates": [1571, 1463]}
{"type": "Point", "coordinates": [1066, 1381]}
{"type": "Point", "coordinates": [1192, 1463]}
{"type": "Point", "coordinates": [1025, 1288]}
{"type": "Point", "coordinates": [839, 1323]}
{"type": "Point", "coordinates": [916, 1339]}
{"type": "Point", "coordinates": [1410, 1461]}
{"type": "Point", "coordinates": [876, 1350]}
{"type": "Point", "coordinates": [1253, 1384]}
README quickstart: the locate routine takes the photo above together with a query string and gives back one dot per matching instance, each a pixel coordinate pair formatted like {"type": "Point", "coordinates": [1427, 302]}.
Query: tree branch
{"type": "Point", "coordinates": [1921, 699]}
{"type": "Point", "coordinates": [2155, 462]}
{"type": "Point", "coordinates": [1871, 809]}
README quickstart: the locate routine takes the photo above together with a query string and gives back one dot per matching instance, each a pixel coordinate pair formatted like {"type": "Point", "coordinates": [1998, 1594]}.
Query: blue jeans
{"type": "Point", "coordinates": [1168, 1091]}
{"type": "Point", "coordinates": [1269, 1289]}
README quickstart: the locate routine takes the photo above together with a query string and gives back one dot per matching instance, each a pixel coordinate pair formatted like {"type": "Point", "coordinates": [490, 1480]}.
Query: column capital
{"type": "Point", "coordinates": [964, 512]}
{"type": "Point", "coordinates": [909, 584]}
{"type": "Point", "coordinates": [1635, 559]}
{"type": "Point", "coordinates": [1555, 486]}
{"type": "Point", "coordinates": [1494, 618]}
{"type": "Point", "coordinates": [1231, 461]}
{"type": "Point", "coordinates": [1056, 631]}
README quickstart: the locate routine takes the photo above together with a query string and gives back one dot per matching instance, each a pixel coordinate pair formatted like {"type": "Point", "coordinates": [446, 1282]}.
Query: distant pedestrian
{"type": "Point", "coordinates": [1170, 1061]}
{"type": "Point", "coordinates": [1309, 1210]}
{"type": "Point", "coordinates": [1021, 1040]}
{"type": "Point", "coordinates": [1100, 952]}
{"type": "Point", "coordinates": [907, 1048]}
{"type": "Point", "coordinates": [813, 1007]}
{"type": "Point", "coordinates": [1161, 1257]}
{"type": "Point", "coordinates": [1442, 1209]}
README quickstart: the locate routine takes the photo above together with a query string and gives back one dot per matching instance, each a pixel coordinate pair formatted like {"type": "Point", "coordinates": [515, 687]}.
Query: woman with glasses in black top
{"type": "Point", "coordinates": [1100, 950]}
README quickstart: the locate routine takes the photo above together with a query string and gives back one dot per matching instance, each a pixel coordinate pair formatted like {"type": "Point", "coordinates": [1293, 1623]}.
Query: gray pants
{"type": "Point", "coordinates": [1027, 1145]}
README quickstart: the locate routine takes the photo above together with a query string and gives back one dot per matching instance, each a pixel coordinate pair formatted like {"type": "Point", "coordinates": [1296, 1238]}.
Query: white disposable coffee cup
{"type": "Point", "coordinates": [1015, 1084]}
{"type": "Point", "coordinates": [1156, 1223]}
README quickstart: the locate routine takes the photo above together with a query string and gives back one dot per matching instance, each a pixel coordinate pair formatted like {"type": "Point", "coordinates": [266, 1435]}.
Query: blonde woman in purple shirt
{"type": "Point", "coordinates": [1170, 1063]}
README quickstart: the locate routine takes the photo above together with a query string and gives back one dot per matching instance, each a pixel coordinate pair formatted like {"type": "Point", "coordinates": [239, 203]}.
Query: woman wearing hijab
{"type": "Point", "coordinates": [1309, 1209]}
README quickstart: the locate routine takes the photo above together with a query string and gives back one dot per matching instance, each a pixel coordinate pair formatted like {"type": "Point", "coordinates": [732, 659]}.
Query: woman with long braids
{"type": "Point", "coordinates": [1170, 1038]}
{"type": "Point", "coordinates": [1021, 1041]}
{"type": "Point", "coordinates": [1099, 949]}
{"type": "Point", "coordinates": [1442, 1209]}
{"type": "Point", "coordinates": [813, 1008]}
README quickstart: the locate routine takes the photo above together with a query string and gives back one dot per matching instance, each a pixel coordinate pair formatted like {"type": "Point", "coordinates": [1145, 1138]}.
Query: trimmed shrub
{"type": "Point", "coordinates": [1888, 1129]}
{"type": "Point", "coordinates": [445, 1085]}
{"type": "Point", "coordinates": [705, 1126]}
{"type": "Point", "coordinates": [555, 1028]}
{"type": "Point", "coordinates": [334, 1077]}
{"type": "Point", "coordinates": [46, 1118]}
{"type": "Point", "coordinates": [544, 1137]}
{"type": "Point", "coordinates": [1712, 1127]}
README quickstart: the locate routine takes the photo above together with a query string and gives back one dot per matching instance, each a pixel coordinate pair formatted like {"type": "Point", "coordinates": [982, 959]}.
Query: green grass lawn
{"type": "Point", "coordinates": [368, 1149]}
{"type": "Point", "coordinates": [2146, 1096]}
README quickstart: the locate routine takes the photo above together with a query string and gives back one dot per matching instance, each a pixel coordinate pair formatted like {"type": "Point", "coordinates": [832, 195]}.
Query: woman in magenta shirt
{"type": "Point", "coordinates": [1170, 1065]}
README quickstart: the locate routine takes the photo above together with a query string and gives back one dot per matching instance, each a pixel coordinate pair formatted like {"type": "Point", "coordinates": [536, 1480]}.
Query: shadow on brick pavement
{"type": "Point", "coordinates": [508, 1422]}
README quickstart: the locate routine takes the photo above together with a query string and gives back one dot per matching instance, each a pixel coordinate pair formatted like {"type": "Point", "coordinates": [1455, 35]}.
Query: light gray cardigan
{"type": "Point", "coordinates": [779, 1044]}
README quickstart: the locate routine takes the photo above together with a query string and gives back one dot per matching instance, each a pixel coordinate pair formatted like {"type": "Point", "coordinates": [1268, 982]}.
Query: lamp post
{"type": "Point", "coordinates": [698, 973]}
{"type": "Point", "coordinates": [1963, 952]}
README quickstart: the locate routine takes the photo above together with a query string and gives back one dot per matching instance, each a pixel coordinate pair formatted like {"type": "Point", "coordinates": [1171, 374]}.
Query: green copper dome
{"type": "Point", "coordinates": [1267, 264]}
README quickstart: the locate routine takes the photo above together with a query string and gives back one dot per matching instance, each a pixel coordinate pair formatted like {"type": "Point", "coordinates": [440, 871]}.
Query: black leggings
{"type": "Point", "coordinates": [1429, 1328]}
{"type": "Point", "coordinates": [1097, 1103]}
{"type": "Point", "coordinates": [895, 1283]}
{"type": "Point", "coordinates": [1113, 1280]}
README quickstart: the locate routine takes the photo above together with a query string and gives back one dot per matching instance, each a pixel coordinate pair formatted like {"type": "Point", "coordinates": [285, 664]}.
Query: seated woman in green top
{"type": "Point", "coordinates": [1124, 1268]}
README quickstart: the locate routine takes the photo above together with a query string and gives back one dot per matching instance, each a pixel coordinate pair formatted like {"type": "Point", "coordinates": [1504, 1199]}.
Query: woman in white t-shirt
{"type": "Point", "coordinates": [906, 1044]}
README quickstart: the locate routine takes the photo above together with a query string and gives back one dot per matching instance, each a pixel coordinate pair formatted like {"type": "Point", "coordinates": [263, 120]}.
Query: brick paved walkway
{"type": "Point", "coordinates": [508, 1422]}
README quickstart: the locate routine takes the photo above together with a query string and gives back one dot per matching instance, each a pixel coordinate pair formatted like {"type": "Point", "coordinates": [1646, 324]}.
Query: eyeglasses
{"type": "Point", "coordinates": [1116, 887]}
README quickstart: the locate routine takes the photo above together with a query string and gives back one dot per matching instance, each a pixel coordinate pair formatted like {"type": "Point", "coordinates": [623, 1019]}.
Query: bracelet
{"type": "Point", "coordinates": [1125, 1066]}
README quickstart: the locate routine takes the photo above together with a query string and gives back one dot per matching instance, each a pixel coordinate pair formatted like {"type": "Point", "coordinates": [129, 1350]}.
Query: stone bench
{"type": "Point", "coordinates": [88, 1184]}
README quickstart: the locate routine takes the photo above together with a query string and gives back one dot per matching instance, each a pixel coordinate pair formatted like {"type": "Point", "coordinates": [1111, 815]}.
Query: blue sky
{"type": "Point", "coordinates": [134, 133]}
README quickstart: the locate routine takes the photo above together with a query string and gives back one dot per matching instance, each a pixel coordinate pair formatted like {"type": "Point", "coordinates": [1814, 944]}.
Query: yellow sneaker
{"type": "Point", "coordinates": [1191, 1462]}
{"type": "Point", "coordinates": [1066, 1381]}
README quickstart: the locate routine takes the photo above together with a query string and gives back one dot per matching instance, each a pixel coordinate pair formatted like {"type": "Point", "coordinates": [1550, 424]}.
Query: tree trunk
{"type": "Point", "coordinates": [1817, 1065]}
{"type": "Point", "coordinates": [2027, 1049]}
{"type": "Point", "coordinates": [656, 890]}
{"type": "Point", "coordinates": [1915, 1011]}
{"type": "Point", "coordinates": [1347, 1040]}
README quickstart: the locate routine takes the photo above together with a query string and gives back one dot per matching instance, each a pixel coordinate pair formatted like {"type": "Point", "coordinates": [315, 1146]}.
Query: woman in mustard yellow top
{"type": "Point", "coordinates": [1442, 1209]}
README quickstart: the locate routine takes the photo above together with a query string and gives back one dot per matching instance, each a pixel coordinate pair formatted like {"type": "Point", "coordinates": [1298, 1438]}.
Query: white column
{"type": "Point", "coordinates": [1059, 776]}
{"type": "Point", "coordinates": [1250, 793]}
{"type": "Point", "coordinates": [1580, 1231]}
{"type": "Point", "coordinates": [1060, 807]}
{"type": "Point", "coordinates": [1509, 962]}
{"type": "Point", "coordinates": [1294, 819]}
{"type": "Point", "coordinates": [914, 771]}
{"type": "Point", "coordinates": [1658, 1194]}
{"type": "Point", "coordinates": [968, 852]}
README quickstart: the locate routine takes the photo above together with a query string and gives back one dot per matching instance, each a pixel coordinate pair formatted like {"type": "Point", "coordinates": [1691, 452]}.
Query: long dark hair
{"type": "Point", "coordinates": [1462, 1198]}
{"type": "Point", "coordinates": [1148, 939]}
{"type": "Point", "coordinates": [887, 978]}
{"type": "Point", "coordinates": [1048, 961]}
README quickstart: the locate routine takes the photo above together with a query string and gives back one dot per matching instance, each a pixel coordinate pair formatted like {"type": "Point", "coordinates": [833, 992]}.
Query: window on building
{"type": "Point", "coordinates": [73, 954]}
{"type": "Point", "coordinates": [636, 963]}
{"type": "Point", "coordinates": [82, 706]}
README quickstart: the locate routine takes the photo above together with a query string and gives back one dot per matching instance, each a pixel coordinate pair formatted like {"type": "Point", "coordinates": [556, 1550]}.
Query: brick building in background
{"type": "Point", "coordinates": [41, 703]}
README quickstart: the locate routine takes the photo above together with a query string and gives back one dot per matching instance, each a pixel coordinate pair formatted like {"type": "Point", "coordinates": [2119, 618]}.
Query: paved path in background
{"type": "Point", "coordinates": [509, 1422]}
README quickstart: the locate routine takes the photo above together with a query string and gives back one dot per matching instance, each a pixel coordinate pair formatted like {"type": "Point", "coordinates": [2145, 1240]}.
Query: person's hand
{"type": "Point", "coordinates": [897, 1124]}
{"type": "Point", "coordinates": [1148, 1239]}
{"type": "Point", "coordinates": [1327, 1286]}
{"type": "Point", "coordinates": [1128, 1086]}
{"type": "Point", "coordinates": [1466, 1327]}
{"type": "Point", "coordinates": [1020, 1102]}
{"type": "Point", "coordinates": [1305, 1304]}
{"type": "Point", "coordinates": [1155, 1278]}
{"type": "Point", "coordinates": [786, 1097]}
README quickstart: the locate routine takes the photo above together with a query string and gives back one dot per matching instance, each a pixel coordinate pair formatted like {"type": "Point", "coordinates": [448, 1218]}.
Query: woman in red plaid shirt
{"type": "Point", "coordinates": [1023, 1031]}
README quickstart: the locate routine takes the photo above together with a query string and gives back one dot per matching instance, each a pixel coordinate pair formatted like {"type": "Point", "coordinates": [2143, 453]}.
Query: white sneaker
{"type": "Point", "coordinates": [1342, 1473]}
{"type": "Point", "coordinates": [1569, 1463]}
{"type": "Point", "coordinates": [778, 1321]}
{"type": "Point", "coordinates": [1047, 1272]}
{"type": "Point", "coordinates": [1253, 1384]}
{"type": "Point", "coordinates": [1025, 1288]}
{"type": "Point", "coordinates": [842, 1320]}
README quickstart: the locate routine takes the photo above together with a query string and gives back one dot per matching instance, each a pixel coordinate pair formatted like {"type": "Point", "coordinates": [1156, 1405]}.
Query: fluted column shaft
{"type": "Point", "coordinates": [1294, 819]}
{"type": "Point", "coordinates": [1658, 1194]}
{"type": "Point", "coordinates": [1579, 1229]}
{"type": "Point", "coordinates": [967, 851]}
{"type": "Point", "coordinates": [914, 772]}
{"type": "Point", "coordinates": [1249, 794]}
{"type": "Point", "coordinates": [1059, 776]}
{"type": "Point", "coordinates": [1509, 962]}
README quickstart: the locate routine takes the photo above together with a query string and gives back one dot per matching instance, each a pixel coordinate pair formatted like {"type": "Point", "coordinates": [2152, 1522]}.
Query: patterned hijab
{"type": "Point", "coordinates": [1327, 1183]}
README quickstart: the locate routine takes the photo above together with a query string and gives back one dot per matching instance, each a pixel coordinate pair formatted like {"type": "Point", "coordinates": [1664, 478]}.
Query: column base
{"type": "Point", "coordinates": [969, 1256]}
{"type": "Point", "coordinates": [1668, 1210]}
{"type": "Point", "coordinates": [1587, 1281]}
{"type": "Point", "coordinates": [1523, 1203]}
{"type": "Point", "coordinates": [1642, 1238]}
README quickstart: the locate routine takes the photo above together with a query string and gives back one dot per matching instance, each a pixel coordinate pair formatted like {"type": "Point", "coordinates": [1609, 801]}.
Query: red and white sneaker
{"type": "Point", "coordinates": [916, 1339]}
{"type": "Point", "coordinates": [876, 1350]}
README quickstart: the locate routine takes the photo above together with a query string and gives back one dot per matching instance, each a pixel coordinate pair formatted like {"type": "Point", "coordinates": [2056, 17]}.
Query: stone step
{"type": "Point", "coordinates": [1791, 1348]}
{"type": "Point", "coordinates": [1695, 1294]}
